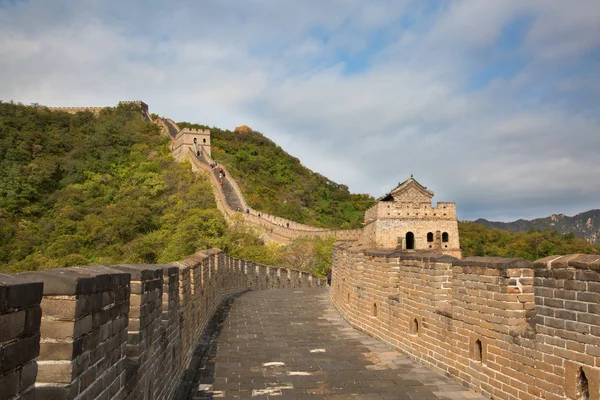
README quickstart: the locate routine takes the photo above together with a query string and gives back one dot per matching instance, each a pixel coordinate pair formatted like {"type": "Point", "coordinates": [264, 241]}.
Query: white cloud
{"type": "Point", "coordinates": [519, 146]}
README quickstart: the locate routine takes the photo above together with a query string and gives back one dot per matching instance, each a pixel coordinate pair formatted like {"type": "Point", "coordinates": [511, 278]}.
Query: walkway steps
{"type": "Point", "coordinates": [231, 197]}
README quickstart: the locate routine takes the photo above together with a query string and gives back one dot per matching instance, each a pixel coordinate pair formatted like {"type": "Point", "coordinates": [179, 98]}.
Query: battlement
{"type": "Point", "coordinates": [505, 327]}
{"type": "Point", "coordinates": [121, 332]}
{"type": "Point", "coordinates": [140, 103]}
{"type": "Point", "coordinates": [96, 110]}
{"type": "Point", "coordinates": [398, 209]}
{"type": "Point", "coordinates": [194, 131]}
{"type": "Point", "coordinates": [75, 110]}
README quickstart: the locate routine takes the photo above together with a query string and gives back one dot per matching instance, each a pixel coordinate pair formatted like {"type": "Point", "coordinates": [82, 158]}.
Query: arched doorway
{"type": "Point", "coordinates": [410, 241]}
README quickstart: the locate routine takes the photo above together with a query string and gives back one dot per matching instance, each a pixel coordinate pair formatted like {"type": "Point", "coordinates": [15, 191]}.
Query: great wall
{"type": "Point", "coordinates": [506, 328]}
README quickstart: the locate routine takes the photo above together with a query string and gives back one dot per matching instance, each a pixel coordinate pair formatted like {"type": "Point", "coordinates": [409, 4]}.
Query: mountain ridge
{"type": "Point", "coordinates": [584, 225]}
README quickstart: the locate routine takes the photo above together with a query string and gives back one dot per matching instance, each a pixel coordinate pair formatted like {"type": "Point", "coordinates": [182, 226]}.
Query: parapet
{"type": "Point", "coordinates": [195, 131]}
{"type": "Point", "coordinates": [505, 327]}
{"type": "Point", "coordinates": [126, 331]}
{"type": "Point", "coordinates": [96, 110]}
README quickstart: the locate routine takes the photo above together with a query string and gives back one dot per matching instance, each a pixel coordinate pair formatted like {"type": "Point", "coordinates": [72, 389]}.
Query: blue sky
{"type": "Point", "coordinates": [491, 104]}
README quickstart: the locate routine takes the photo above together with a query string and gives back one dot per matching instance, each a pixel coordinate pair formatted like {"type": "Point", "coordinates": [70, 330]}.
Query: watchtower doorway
{"type": "Point", "coordinates": [410, 241]}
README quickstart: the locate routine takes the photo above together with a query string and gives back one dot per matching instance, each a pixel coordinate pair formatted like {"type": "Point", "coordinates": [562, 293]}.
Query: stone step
{"type": "Point", "coordinates": [231, 197]}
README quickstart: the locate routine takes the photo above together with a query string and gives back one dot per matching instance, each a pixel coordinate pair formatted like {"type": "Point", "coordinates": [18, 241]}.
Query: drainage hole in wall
{"type": "Point", "coordinates": [477, 351]}
{"type": "Point", "coordinates": [414, 327]}
{"type": "Point", "coordinates": [583, 389]}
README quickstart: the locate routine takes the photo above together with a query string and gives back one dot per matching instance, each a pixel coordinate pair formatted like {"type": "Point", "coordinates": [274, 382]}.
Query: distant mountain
{"type": "Point", "coordinates": [584, 225]}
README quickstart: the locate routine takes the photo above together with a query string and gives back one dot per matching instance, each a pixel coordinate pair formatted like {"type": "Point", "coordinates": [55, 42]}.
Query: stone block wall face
{"type": "Point", "coordinates": [500, 326]}
{"type": "Point", "coordinates": [20, 315]}
{"type": "Point", "coordinates": [184, 142]}
{"type": "Point", "coordinates": [75, 110]}
{"type": "Point", "coordinates": [145, 376]}
{"type": "Point", "coordinates": [414, 210]}
{"type": "Point", "coordinates": [390, 233]}
{"type": "Point", "coordinates": [83, 333]}
{"type": "Point", "coordinates": [125, 332]}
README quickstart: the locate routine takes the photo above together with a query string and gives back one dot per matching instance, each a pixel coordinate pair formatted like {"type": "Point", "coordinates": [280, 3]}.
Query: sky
{"type": "Point", "coordinates": [494, 105]}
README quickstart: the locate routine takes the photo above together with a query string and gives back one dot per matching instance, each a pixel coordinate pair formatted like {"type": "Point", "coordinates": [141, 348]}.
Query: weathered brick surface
{"type": "Point", "coordinates": [84, 332]}
{"type": "Point", "coordinates": [125, 332]}
{"type": "Point", "coordinates": [19, 336]}
{"type": "Point", "coordinates": [505, 327]}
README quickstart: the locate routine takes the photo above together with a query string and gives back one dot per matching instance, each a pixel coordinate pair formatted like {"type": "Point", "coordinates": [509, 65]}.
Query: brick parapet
{"type": "Point", "coordinates": [20, 315]}
{"type": "Point", "coordinates": [83, 332]}
{"type": "Point", "coordinates": [124, 332]}
{"type": "Point", "coordinates": [505, 327]}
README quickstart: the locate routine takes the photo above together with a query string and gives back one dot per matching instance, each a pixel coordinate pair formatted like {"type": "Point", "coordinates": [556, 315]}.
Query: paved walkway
{"type": "Point", "coordinates": [292, 344]}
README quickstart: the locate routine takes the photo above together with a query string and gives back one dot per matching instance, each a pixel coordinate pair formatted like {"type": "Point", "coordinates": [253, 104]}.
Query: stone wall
{"type": "Point", "coordinates": [75, 110]}
{"type": "Point", "coordinates": [119, 332]}
{"type": "Point", "coordinates": [388, 222]}
{"type": "Point", "coordinates": [505, 327]}
{"type": "Point", "coordinates": [279, 229]}
{"type": "Point", "coordinates": [196, 140]}
{"type": "Point", "coordinates": [390, 233]}
{"type": "Point", "coordinates": [19, 336]}
{"type": "Point", "coordinates": [96, 110]}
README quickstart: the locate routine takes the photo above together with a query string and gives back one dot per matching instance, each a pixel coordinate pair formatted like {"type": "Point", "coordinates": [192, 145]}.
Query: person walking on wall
{"type": "Point", "coordinates": [329, 277]}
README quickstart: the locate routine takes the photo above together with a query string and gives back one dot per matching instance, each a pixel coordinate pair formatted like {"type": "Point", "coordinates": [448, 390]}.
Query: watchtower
{"type": "Point", "coordinates": [404, 219]}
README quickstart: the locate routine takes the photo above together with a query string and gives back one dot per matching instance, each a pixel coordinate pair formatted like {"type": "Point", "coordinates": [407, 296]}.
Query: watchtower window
{"type": "Point", "coordinates": [203, 140]}
{"type": "Point", "coordinates": [194, 140]}
{"type": "Point", "coordinates": [410, 241]}
{"type": "Point", "coordinates": [445, 237]}
{"type": "Point", "coordinates": [429, 237]}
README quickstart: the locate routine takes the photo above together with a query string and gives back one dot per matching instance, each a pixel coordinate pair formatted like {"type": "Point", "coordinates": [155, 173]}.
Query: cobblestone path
{"type": "Point", "coordinates": [292, 344]}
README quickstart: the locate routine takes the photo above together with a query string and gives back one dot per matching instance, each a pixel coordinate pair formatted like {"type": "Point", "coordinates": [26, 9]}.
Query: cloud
{"type": "Point", "coordinates": [492, 105]}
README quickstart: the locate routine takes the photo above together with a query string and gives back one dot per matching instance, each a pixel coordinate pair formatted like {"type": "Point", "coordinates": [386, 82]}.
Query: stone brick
{"type": "Point", "coordinates": [66, 329]}
{"type": "Point", "coordinates": [12, 325]}
{"type": "Point", "coordinates": [9, 385]}
{"type": "Point", "coordinates": [33, 321]}
{"type": "Point", "coordinates": [55, 372]}
{"type": "Point", "coordinates": [28, 375]}
{"type": "Point", "coordinates": [17, 292]}
{"type": "Point", "coordinates": [19, 352]}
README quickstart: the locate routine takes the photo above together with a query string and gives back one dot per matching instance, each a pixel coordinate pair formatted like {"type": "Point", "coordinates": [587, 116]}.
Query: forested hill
{"type": "Point", "coordinates": [277, 183]}
{"type": "Point", "coordinates": [585, 225]}
{"type": "Point", "coordinates": [79, 189]}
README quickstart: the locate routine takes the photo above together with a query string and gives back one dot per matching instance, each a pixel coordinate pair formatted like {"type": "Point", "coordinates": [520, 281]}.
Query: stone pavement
{"type": "Point", "coordinates": [292, 344]}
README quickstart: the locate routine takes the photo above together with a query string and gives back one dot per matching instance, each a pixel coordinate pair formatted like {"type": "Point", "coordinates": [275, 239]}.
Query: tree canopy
{"type": "Point", "coordinates": [478, 240]}
{"type": "Point", "coordinates": [80, 189]}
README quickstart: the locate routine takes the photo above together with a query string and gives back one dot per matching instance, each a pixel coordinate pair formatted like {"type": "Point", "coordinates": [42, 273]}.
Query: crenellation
{"type": "Point", "coordinates": [123, 332]}
{"type": "Point", "coordinates": [504, 327]}
{"type": "Point", "coordinates": [96, 110]}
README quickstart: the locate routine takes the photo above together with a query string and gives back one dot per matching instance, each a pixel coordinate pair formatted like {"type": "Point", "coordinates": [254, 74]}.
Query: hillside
{"type": "Point", "coordinates": [277, 183]}
{"type": "Point", "coordinates": [479, 240]}
{"type": "Point", "coordinates": [78, 189]}
{"type": "Point", "coordinates": [585, 225]}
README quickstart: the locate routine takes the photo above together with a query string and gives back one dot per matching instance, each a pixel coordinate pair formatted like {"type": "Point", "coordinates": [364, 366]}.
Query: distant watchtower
{"type": "Point", "coordinates": [198, 140]}
{"type": "Point", "coordinates": [405, 219]}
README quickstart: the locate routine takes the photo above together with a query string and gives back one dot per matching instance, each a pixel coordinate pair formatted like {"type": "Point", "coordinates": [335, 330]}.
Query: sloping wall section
{"type": "Point", "coordinates": [119, 332]}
